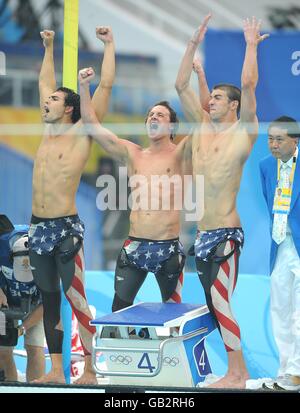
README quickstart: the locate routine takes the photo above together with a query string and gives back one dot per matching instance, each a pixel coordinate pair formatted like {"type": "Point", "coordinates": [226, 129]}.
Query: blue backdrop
{"type": "Point", "coordinates": [278, 87]}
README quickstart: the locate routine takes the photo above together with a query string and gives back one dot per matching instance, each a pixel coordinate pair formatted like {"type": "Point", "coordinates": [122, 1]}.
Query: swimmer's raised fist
{"type": "Point", "coordinates": [48, 37]}
{"type": "Point", "coordinates": [86, 75]}
{"type": "Point", "coordinates": [104, 33]}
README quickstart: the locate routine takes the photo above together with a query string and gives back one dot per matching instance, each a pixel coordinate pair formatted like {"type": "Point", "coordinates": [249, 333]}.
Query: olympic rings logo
{"type": "Point", "coordinates": [120, 359]}
{"type": "Point", "coordinates": [172, 362]}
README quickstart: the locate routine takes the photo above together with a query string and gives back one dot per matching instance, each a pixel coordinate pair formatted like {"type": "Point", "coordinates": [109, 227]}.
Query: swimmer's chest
{"type": "Point", "coordinates": [215, 152]}
{"type": "Point", "coordinates": [156, 164]}
{"type": "Point", "coordinates": [57, 152]}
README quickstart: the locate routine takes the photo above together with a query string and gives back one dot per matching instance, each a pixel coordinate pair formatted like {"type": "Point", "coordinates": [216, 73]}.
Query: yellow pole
{"type": "Point", "coordinates": [70, 65]}
{"type": "Point", "coordinates": [70, 58]}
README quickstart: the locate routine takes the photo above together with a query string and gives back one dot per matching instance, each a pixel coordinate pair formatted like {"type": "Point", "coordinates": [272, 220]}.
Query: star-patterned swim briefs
{"type": "Point", "coordinates": [207, 241]}
{"type": "Point", "coordinates": [150, 254]}
{"type": "Point", "coordinates": [47, 233]}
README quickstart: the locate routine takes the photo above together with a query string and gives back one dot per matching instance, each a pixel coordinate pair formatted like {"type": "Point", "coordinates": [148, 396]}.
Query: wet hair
{"type": "Point", "coordinates": [289, 124]}
{"type": "Point", "coordinates": [173, 116]}
{"type": "Point", "coordinates": [72, 99]}
{"type": "Point", "coordinates": [233, 93]}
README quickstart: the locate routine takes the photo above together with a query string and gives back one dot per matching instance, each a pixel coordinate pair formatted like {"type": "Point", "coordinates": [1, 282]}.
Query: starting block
{"type": "Point", "coordinates": [156, 344]}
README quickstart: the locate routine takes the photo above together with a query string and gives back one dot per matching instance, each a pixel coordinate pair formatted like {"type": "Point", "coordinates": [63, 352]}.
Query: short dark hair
{"type": "Point", "coordinates": [173, 116]}
{"type": "Point", "coordinates": [290, 124]}
{"type": "Point", "coordinates": [72, 99]}
{"type": "Point", "coordinates": [233, 93]}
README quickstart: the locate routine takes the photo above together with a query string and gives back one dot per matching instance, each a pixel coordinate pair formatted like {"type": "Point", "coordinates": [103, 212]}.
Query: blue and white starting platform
{"type": "Point", "coordinates": [156, 344]}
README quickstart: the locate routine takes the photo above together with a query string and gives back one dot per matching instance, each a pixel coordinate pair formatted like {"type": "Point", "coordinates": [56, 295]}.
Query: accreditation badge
{"type": "Point", "coordinates": [282, 200]}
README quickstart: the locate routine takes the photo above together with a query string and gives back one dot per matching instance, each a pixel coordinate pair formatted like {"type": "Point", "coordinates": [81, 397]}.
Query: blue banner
{"type": "Point", "coordinates": [279, 69]}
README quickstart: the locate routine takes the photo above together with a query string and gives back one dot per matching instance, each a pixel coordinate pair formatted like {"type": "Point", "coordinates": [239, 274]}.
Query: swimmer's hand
{"type": "Point", "coordinates": [48, 37]}
{"type": "Point", "coordinates": [197, 66]}
{"type": "Point", "coordinates": [199, 34]}
{"type": "Point", "coordinates": [86, 75]}
{"type": "Point", "coordinates": [104, 33]}
{"type": "Point", "coordinates": [252, 31]}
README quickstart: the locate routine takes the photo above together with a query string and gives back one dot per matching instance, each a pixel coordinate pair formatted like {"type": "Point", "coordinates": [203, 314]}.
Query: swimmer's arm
{"type": "Point", "coordinates": [204, 92]}
{"type": "Point", "coordinates": [184, 149]}
{"type": "Point", "coordinates": [102, 94]}
{"type": "Point", "coordinates": [47, 80]}
{"type": "Point", "coordinates": [117, 148]}
{"type": "Point", "coordinates": [249, 78]}
{"type": "Point", "coordinates": [189, 99]}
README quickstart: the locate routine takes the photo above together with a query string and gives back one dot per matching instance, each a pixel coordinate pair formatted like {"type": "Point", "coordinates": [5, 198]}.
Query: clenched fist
{"type": "Point", "coordinates": [48, 37]}
{"type": "Point", "coordinates": [104, 33]}
{"type": "Point", "coordinates": [86, 75]}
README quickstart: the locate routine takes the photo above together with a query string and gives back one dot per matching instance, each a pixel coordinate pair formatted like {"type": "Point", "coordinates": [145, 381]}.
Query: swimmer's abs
{"type": "Point", "coordinates": [53, 207]}
{"type": "Point", "coordinates": [214, 221]}
{"type": "Point", "coordinates": [158, 225]}
{"type": "Point", "coordinates": [53, 200]}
